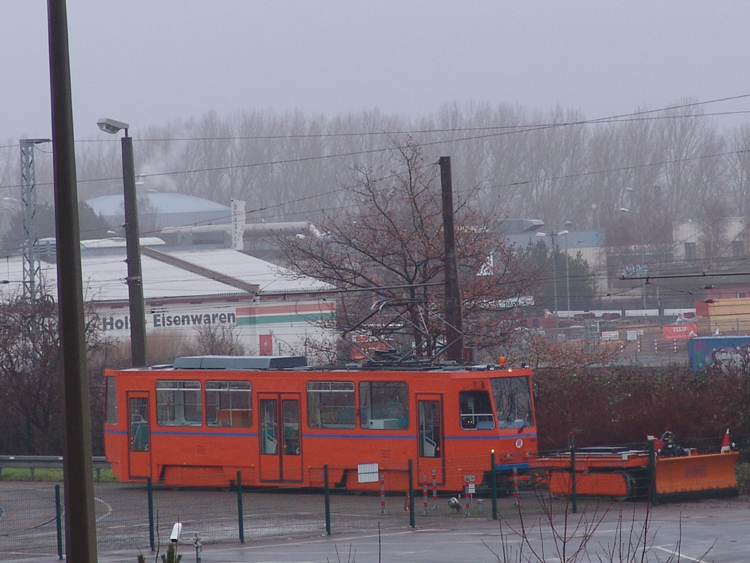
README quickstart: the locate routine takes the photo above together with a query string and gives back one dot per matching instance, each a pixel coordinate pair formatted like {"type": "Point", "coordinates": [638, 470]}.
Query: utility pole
{"type": "Point", "coordinates": [80, 513]}
{"type": "Point", "coordinates": [453, 316]}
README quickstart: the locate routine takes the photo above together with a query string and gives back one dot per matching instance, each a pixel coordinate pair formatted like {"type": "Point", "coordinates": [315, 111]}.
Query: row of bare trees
{"type": "Point", "coordinates": [553, 165]}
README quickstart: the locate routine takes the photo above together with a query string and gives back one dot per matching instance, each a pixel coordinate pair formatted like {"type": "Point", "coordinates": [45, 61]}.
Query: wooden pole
{"type": "Point", "coordinates": [454, 330]}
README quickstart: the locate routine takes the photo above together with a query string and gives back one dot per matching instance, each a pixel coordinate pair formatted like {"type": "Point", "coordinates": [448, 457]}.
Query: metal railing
{"type": "Point", "coordinates": [34, 462]}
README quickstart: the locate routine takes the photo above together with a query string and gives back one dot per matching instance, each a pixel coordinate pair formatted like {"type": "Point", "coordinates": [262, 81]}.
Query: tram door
{"type": "Point", "coordinates": [139, 436]}
{"type": "Point", "coordinates": [430, 439]}
{"type": "Point", "coordinates": [280, 437]}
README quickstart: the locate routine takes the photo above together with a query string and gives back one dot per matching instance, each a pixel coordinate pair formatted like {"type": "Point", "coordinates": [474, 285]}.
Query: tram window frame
{"type": "Point", "coordinates": [475, 410]}
{"type": "Point", "coordinates": [229, 404]}
{"type": "Point", "coordinates": [111, 400]}
{"type": "Point", "coordinates": [174, 389]}
{"type": "Point", "coordinates": [512, 412]}
{"type": "Point", "coordinates": [331, 404]}
{"type": "Point", "coordinates": [389, 400]}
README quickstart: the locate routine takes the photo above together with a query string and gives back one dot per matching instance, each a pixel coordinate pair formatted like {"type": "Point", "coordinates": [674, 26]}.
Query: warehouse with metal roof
{"type": "Point", "coordinates": [269, 308]}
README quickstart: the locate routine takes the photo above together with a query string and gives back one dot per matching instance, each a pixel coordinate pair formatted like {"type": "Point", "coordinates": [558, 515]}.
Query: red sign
{"type": "Point", "coordinates": [266, 344]}
{"type": "Point", "coordinates": [679, 332]}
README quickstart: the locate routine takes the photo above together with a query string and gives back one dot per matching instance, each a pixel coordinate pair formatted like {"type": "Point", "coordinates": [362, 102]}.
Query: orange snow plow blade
{"type": "Point", "coordinates": [625, 474]}
{"type": "Point", "coordinates": [707, 475]}
{"type": "Point", "coordinates": [596, 484]}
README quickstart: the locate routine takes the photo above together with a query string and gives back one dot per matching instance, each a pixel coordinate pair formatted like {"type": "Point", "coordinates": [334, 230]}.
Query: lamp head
{"type": "Point", "coordinates": [624, 210]}
{"type": "Point", "coordinates": [112, 126]}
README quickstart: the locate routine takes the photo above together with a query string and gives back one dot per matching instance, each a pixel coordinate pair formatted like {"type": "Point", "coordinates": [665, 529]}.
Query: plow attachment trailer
{"type": "Point", "coordinates": [627, 474]}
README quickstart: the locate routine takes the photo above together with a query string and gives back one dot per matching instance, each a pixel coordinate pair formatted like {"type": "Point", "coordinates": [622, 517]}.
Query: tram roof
{"type": "Point", "coordinates": [298, 364]}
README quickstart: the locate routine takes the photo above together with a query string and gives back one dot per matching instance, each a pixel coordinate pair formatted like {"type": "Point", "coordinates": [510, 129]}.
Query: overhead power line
{"type": "Point", "coordinates": [680, 276]}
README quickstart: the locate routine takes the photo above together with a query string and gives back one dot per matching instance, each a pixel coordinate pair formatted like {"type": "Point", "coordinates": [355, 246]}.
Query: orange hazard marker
{"type": "Point", "coordinates": [382, 493]}
{"type": "Point", "coordinates": [726, 444]}
{"type": "Point", "coordinates": [434, 489]}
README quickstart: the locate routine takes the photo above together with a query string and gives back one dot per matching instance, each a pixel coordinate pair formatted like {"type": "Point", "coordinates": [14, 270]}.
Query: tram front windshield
{"type": "Point", "coordinates": [512, 397]}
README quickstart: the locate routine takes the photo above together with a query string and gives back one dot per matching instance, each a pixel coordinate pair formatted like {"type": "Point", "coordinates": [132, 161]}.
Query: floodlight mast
{"type": "Point", "coordinates": [132, 244]}
{"type": "Point", "coordinates": [31, 273]}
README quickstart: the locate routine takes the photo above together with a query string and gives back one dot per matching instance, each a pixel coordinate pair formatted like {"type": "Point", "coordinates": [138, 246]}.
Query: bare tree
{"type": "Point", "coordinates": [389, 240]}
{"type": "Point", "coordinates": [692, 172]}
{"type": "Point", "coordinates": [31, 375]}
{"type": "Point", "coordinates": [739, 169]}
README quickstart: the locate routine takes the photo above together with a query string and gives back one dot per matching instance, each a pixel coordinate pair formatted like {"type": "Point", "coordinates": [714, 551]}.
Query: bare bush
{"type": "Point", "coordinates": [219, 340]}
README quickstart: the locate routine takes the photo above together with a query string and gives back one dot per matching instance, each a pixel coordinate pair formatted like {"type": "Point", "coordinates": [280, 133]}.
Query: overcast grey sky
{"type": "Point", "coordinates": [149, 61]}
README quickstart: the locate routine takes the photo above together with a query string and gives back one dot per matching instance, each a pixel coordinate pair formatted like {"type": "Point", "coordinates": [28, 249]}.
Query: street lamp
{"type": "Point", "coordinates": [132, 244]}
{"type": "Point", "coordinates": [554, 275]}
{"type": "Point", "coordinates": [568, 224]}
{"type": "Point", "coordinates": [643, 259]}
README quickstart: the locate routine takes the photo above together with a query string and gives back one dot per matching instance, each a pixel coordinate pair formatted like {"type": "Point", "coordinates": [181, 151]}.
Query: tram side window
{"type": "Point", "coordinates": [513, 402]}
{"type": "Point", "coordinates": [476, 410]}
{"type": "Point", "coordinates": [111, 409]}
{"type": "Point", "coordinates": [384, 405]}
{"type": "Point", "coordinates": [178, 403]}
{"type": "Point", "coordinates": [330, 404]}
{"type": "Point", "coordinates": [229, 404]}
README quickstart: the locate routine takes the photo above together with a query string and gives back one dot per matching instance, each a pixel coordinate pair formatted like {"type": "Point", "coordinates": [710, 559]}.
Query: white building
{"type": "Point", "coordinates": [703, 239]}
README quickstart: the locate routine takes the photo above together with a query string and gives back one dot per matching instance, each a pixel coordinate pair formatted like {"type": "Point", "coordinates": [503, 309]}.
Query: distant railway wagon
{"type": "Point", "coordinates": [199, 421]}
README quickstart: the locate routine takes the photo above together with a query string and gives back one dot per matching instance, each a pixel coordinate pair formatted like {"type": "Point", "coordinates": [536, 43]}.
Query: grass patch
{"type": "Point", "coordinates": [743, 477]}
{"type": "Point", "coordinates": [49, 475]}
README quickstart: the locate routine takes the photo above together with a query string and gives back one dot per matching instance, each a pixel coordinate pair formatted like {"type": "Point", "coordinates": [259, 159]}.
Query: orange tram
{"type": "Point", "coordinates": [204, 418]}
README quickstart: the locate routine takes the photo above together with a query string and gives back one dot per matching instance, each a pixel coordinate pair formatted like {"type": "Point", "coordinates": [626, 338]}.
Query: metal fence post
{"type": "Point", "coordinates": [493, 473]}
{"type": "Point", "coordinates": [328, 500]}
{"type": "Point", "coordinates": [653, 496]}
{"type": "Point", "coordinates": [58, 518]}
{"type": "Point", "coordinates": [412, 518]}
{"type": "Point", "coordinates": [574, 494]}
{"type": "Point", "coordinates": [240, 515]}
{"type": "Point", "coordinates": [150, 487]}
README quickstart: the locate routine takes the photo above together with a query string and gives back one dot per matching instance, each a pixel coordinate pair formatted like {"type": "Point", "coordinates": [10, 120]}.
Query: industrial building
{"type": "Point", "coordinates": [271, 310]}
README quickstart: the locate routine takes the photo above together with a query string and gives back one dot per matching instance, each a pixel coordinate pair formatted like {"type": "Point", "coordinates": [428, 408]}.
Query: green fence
{"type": "Point", "coordinates": [138, 516]}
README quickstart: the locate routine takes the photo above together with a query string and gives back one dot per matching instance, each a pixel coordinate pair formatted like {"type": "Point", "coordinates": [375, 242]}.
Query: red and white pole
{"type": "Point", "coordinates": [382, 493]}
{"type": "Point", "coordinates": [468, 501]}
{"type": "Point", "coordinates": [434, 489]}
